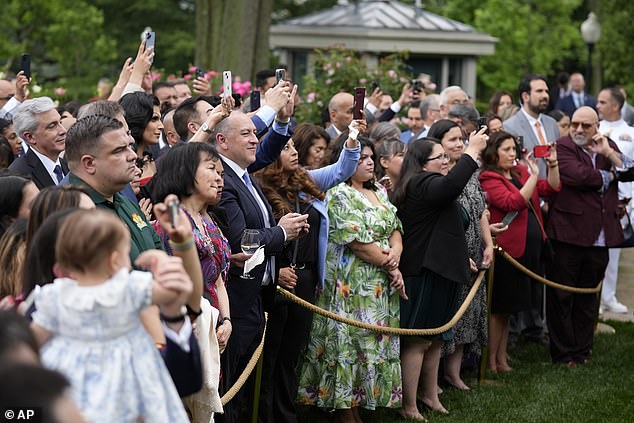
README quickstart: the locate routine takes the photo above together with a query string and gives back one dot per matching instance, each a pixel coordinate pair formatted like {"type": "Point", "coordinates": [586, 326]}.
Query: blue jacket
{"type": "Point", "coordinates": [326, 178]}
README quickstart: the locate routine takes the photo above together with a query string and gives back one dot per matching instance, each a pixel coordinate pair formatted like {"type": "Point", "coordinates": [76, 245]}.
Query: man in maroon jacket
{"type": "Point", "coordinates": [583, 222]}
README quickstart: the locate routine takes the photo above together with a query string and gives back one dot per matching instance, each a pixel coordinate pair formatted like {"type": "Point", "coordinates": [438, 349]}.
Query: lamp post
{"type": "Point", "coordinates": [590, 32]}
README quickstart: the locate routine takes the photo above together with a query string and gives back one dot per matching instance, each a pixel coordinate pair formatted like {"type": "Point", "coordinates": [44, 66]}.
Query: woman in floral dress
{"type": "Point", "coordinates": [346, 367]}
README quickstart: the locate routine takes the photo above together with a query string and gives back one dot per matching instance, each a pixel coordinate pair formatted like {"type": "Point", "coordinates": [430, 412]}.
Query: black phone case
{"type": "Point", "coordinates": [25, 65]}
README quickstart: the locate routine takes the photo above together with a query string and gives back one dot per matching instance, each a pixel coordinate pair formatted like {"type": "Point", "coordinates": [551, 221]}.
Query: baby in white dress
{"type": "Point", "coordinates": [89, 322]}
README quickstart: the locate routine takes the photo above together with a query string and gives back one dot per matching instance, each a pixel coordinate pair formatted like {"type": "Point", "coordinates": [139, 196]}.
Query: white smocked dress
{"type": "Point", "coordinates": [99, 344]}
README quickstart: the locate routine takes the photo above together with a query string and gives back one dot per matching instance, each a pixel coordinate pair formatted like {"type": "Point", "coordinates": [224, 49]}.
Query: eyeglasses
{"type": "Point", "coordinates": [584, 125]}
{"type": "Point", "coordinates": [443, 156]}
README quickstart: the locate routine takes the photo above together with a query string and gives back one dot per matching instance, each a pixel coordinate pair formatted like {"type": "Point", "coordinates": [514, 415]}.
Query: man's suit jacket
{"type": "Point", "coordinates": [243, 212]}
{"type": "Point", "coordinates": [331, 131]}
{"type": "Point", "coordinates": [30, 165]}
{"type": "Point", "coordinates": [579, 211]}
{"type": "Point", "coordinates": [567, 104]}
{"type": "Point", "coordinates": [518, 125]}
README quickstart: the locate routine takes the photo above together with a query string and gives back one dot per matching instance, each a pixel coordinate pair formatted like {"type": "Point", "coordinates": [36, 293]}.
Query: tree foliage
{"type": "Point", "coordinates": [535, 36]}
{"type": "Point", "coordinates": [615, 44]}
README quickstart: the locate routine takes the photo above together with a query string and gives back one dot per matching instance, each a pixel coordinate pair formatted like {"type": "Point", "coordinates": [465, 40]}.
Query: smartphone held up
{"type": "Point", "coordinates": [541, 151]}
{"type": "Point", "coordinates": [359, 98]}
{"type": "Point", "coordinates": [226, 84]}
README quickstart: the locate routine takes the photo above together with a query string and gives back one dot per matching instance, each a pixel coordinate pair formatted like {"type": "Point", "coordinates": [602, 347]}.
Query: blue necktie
{"type": "Point", "coordinates": [271, 260]}
{"type": "Point", "coordinates": [58, 173]}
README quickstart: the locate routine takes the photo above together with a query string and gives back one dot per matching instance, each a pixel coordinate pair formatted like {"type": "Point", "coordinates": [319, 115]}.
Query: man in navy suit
{"type": "Point", "coordinates": [37, 122]}
{"type": "Point", "coordinates": [577, 97]}
{"type": "Point", "coordinates": [247, 208]}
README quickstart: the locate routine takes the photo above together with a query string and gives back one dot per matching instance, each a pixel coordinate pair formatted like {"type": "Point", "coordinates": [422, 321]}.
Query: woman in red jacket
{"type": "Point", "coordinates": [513, 187]}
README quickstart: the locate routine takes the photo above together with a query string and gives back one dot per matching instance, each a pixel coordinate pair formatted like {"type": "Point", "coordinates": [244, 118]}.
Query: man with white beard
{"type": "Point", "coordinates": [582, 225]}
{"type": "Point", "coordinates": [609, 104]}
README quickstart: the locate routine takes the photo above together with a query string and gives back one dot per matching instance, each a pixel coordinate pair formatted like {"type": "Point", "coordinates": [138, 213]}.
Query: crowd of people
{"type": "Point", "coordinates": [144, 233]}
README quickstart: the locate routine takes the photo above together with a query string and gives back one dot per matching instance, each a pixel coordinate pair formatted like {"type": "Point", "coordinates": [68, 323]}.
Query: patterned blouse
{"type": "Point", "coordinates": [214, 253]}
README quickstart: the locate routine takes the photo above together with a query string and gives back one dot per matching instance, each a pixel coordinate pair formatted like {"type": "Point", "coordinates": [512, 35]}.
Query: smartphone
{"type": "Point", "coordinates": [280, 75]}
{"type": "Point", "coordinates": [375, 85]}
{"type": "Point", "coordinates": [173, 208]}
{"type": "Point", "coordinates": [200, 73]}
{"type": "Point", "coordinates": [25, 65]}
{"type": "Point", "coordinates": [255, 100]}
{"type": "Point", "coordinates": [150, 41]}
{"type": "Point", "coordinates": [541, 151]}
{"type": "Point", "coordinates": [357, 108]}
{"type": "Point", "coordinates": [482, 122]}
{"type": "Point", "coordinates": [417, 85]}
{"type": "Point", "coordinates": [226, 84]}
{"type": "Point", "coordinates": [510, 216]}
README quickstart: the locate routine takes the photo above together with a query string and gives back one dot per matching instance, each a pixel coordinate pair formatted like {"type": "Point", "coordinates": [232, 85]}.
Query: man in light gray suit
{"type": "Point", "coordinates": [530, 122]}
{"type": "Point", "coordinates": [537, 128]}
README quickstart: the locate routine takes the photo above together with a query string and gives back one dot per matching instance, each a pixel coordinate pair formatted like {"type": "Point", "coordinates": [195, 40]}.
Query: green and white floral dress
{"type": "Point", "coordinates": [345, 366]}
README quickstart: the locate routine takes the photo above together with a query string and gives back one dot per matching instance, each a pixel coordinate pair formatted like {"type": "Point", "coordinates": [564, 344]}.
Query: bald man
{"type": "Point", "coordinates": [340, 111]}
{"type": "Point", "coordinates": [582, 225]}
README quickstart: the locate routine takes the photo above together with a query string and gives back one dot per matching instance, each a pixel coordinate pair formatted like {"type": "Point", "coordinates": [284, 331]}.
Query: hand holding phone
{"type": "Point", "coordinates": [226, 84]}
{"type": "Point", "coordinates": [541, 151]}
{"type": "Point", "coordinates": [357, 108]}
{"type": "Point", "coordinates": [25, 65]}
{"type": "Point", "coordinates": [150, 41]}
{"type": "Point", "coordinates": [280, 75]}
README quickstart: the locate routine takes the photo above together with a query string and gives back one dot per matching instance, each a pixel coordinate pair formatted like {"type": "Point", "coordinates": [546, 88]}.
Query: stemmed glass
{"type": "Point", "coordinates": [249, 243]}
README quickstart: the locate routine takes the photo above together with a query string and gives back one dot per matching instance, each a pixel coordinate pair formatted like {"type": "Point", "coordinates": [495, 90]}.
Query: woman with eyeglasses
{"type": "Point", "coordinates": [470, 333]}
{"type": "Point", "coordinates": [435, 260]}
{"type": "Point", "coordinates": [514, 188]}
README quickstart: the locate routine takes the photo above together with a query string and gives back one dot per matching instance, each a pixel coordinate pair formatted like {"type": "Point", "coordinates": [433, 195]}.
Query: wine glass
{"type": "Point", "coordinates": [249, 244]}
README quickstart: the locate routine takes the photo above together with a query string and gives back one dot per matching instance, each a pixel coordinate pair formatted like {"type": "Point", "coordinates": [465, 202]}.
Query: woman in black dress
{"type": "Point", "coordinates": [434, 225]}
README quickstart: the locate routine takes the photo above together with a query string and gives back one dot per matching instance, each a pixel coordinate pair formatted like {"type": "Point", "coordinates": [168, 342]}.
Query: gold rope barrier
{"type": "Point", "coordinates": [387, 329]}
{"type": "Point", "coordinates": [545, 281]}
{"type": "Point", "coordinates": [228, 396]}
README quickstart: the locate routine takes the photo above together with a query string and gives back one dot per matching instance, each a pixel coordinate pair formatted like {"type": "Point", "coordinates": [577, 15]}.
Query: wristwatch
{"type": "Point", "coordinates": [205, 128]}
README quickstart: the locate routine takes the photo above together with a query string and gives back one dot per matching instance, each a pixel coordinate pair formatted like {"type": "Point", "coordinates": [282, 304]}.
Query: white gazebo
{"type": "Point", "coordinates": [445, 49]}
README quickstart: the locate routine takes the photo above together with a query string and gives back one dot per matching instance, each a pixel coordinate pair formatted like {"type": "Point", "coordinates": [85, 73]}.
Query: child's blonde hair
{"type": "Point", "coordinates": [87, 238]}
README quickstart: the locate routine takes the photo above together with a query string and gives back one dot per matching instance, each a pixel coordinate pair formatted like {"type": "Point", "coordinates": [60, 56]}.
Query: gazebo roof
{"type": "Point", "coordinates": [380, 14]}
{"type": "Point", "coordinates": [382, 26]}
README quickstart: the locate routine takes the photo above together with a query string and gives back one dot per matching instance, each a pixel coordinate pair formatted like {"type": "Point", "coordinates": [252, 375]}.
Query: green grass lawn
{"type": "Point", "coordinates": [538, 391]}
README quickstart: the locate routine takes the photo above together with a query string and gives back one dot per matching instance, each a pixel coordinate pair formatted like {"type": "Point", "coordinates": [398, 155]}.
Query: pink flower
{"type": "Point", "coordinates": [348, 59]}
{"type": "Point", "coordinates": [328, 81]}
{"type": "Point", "coordinates": [210, 75]}
{"type": "Point", "coordinates": [187, 77]}
{"type": "Point", "coordinates": [192, 69]}
{"type": "Point", "coordinates": [392, 74]}
{"type": "Point", "coordinates": [156, 76]}
{"type": "Point", "coordinates": [310, 97]}
{"type": "Point", "coordinates": [338, 65]}
{"type": "Point", "coordinates": [60, 91]}
{"type": "Point", "coordinates": [402, 79]}
{"type": "Point", "coordinates": [430, 86]}
{"type": "Point", "coordinates": [363, 81]}
{"type": "Point", "coordinates": [331, 72]}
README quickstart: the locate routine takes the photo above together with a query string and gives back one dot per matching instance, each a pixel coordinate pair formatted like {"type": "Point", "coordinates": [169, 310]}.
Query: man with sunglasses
{"type": "Point", "coordinates": [583, 223]}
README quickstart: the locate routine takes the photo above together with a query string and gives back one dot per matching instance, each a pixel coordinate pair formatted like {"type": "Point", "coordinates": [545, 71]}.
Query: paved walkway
{"type": "Point", "coordinates": [624, 287]}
